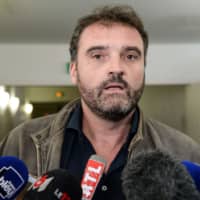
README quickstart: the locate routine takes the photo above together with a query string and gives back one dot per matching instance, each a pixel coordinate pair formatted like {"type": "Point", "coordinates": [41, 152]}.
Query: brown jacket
{"type": "Point", "coordinates": [38, 142]}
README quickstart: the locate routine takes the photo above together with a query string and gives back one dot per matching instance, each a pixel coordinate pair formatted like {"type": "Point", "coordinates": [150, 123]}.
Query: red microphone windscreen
{"type": "Point", "coordinates": [92, 175]}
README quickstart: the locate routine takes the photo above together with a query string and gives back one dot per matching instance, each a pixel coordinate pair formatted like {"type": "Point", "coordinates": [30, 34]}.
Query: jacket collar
{"type": "Point", "coordinates": [58, 124]}
{"type": "Point", "coordinates": [139, 134]}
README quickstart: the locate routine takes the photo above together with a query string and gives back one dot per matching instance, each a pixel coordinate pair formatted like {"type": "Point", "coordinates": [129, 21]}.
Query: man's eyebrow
{"type": "Point", "coordinates": [133, 48]}
{"type": "Point", "coordinates": [93, 48]}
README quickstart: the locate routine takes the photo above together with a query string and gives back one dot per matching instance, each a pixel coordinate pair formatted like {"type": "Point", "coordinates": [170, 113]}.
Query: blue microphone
{"type": "Point", "coordinates": [13, 177]}
{"type": "Point", "coordinates": [194, 171]}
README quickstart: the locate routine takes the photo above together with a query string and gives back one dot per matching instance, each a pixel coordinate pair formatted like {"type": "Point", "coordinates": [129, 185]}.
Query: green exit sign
{"type": "Point", "coordinates": [67, 67]}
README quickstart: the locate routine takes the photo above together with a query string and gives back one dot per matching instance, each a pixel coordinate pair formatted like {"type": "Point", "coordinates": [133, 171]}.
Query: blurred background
{"type": "Point", "coordinates": [34, 59]}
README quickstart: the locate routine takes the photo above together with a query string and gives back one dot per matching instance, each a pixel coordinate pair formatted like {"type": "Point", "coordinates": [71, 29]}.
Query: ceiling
{"type": "Point", "coordinates": [52, 21]}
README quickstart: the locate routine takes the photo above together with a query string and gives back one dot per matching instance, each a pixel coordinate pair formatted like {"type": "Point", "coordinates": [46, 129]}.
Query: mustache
{"type": "Point", "coordinates": [115, 78]}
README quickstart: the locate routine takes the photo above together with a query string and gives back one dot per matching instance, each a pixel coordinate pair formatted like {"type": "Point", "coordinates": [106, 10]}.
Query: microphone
{"type": "Point", "coordinates": [92, 175]}
{"type": "Point", "coordinates": [57, 184]}
{"type": "Point", "coordinates": [156, 175]}
{"type": "Point", "coordinates": [194, 171]}
{"type": "Point", "coordinates": [13, 177]}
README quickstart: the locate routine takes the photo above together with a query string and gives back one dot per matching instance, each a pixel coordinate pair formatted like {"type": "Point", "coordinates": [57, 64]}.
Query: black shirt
{"type": "Point", "coordinates": [77, 149]}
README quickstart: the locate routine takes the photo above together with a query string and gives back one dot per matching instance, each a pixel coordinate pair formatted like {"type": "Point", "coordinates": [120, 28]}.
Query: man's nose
{"type": "Point", "coordinates": [116, 66]}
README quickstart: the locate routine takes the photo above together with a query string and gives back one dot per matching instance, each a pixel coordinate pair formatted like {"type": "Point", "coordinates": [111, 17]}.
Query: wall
{"type": "Point", "coordinates": [44, 64]}
{"type": "Point", "coordinates": [48, 94]}
{"type": "Point", "coordinates": [166, 104]}
{"type": "Point", "coordinates": [193, 111]}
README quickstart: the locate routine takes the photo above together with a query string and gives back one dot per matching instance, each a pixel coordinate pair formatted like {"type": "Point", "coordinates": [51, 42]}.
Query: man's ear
{"type": "Point", "coordinates": [73, 72]}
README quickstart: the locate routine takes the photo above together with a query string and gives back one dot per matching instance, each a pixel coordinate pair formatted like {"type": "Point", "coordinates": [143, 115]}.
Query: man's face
{"type": "Point", "coordinates": [109, 70]}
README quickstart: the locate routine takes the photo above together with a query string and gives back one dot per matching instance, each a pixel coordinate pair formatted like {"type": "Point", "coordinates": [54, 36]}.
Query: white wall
{"type": "Point", "coordinates": [33, 64]}
{"type": "Point", "coordinates": [44, 64]}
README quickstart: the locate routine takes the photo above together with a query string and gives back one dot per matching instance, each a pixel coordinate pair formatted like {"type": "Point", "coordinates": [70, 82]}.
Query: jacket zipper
{"type": "Point", "coordinates": [38, 159]}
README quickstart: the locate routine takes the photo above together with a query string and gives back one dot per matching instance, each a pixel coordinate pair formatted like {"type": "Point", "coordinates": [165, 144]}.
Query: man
{"type": "Point", "coordinates": [108, 52]}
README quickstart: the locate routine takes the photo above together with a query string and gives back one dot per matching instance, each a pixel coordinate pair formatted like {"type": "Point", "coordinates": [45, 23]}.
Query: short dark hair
{"type": "Point", "coordinates": [108, 15]}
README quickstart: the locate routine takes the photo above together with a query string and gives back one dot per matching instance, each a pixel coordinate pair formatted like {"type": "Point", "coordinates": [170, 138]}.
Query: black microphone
{"type": "Point", "coordinates": [157, 176]}
{"type": "Point", "coordinates": [57, 184]}
{"type": "Point", "coordinates": [13, 177]}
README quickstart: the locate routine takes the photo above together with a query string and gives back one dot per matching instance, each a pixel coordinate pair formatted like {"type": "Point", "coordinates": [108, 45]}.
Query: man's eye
{"type": "Point", "coordinates": [97, 56]}
{"type": "Point", "coordinates": [131, 57]}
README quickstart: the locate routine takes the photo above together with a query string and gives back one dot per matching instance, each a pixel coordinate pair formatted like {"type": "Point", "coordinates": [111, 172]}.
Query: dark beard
{"type": "Point", "coordinates": [112, 107]}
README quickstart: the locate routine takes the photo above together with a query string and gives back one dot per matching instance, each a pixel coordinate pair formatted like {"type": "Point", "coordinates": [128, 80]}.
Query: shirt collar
{"type": "Point", "coordinates": [134, 126]}
{"type": "Point", "coordinates": [75, 121]}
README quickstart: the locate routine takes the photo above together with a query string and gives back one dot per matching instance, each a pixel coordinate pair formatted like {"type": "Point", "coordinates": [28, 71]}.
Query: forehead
{"type": "Point", "coordinates": [112, 35]}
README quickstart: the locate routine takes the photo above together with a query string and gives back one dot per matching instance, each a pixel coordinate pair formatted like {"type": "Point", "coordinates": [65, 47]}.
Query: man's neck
{"type": "Point", "coordinates": [107, 137]}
